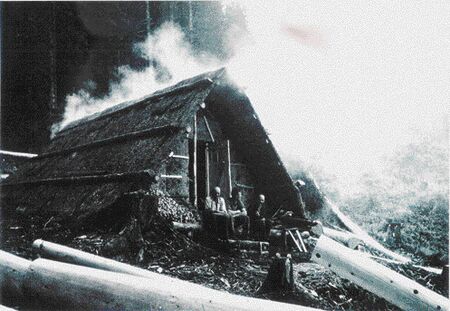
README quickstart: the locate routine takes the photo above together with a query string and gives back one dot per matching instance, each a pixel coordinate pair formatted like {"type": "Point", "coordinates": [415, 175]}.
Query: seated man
{"type": "Point", "coordinates": [215, 203]}
{"type": "Point", "coordinates": [238, 213]}
{"type": "Point", "coordinates": [216, 216]}
{"type": "Point", "coordinates": [257, 217]}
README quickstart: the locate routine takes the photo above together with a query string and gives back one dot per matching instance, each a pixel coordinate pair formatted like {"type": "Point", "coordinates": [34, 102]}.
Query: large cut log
{"type": "Point", "coordinates": [376, 278]}
{"type": "Point", "coordinates": [12, 274]}
{"type": "Point", "coordinates": [5, 308]}
{"type": "Point", "coordinates": [69, 255]}
{"type": "Point", "coordinates": [360, 233]}
{"type": "Point", "coordinates": [83, 288]}
{"type": "Point", "coordinates": [348, 239]}
{"type": "Point", "coordinates": [428, 269]}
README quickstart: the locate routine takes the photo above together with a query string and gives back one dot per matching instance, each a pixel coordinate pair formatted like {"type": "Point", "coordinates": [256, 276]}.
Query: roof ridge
{"type": "Point", "coordinates": [206, 77]}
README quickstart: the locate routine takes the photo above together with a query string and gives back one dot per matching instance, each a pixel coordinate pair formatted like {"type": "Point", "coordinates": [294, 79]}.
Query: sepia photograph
{"type": "Point", "coordinates": [224, 155]}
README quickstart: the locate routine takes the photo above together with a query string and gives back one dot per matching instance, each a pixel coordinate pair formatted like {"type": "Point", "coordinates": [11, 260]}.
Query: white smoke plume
{"type": "Point", "coordinates": [167, 47]}
{"type": "Point", "coordinates": [331, 87]}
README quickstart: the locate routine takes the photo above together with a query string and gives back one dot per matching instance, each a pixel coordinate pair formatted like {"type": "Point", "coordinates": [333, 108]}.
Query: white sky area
{"type": "Point", "coordinates": [337, 84]}
{"type": "Point", "coordinates": [362, 81]}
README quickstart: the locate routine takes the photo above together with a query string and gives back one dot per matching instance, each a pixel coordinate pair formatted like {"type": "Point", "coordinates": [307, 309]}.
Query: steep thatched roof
{"type": "Point", "coordinates": [94, 161]}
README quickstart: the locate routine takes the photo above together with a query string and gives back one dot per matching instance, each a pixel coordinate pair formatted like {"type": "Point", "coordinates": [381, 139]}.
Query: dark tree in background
{"type": "Point", "coordinates": [51, 49]}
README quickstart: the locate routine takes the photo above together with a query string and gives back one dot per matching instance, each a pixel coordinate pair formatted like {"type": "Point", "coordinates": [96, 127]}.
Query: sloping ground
{"type": "Point", "coordinates": [166, 251]}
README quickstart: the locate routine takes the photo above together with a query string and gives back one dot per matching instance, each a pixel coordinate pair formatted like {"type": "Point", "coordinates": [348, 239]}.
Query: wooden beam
{"type": "Point", "coordinates": [115, 139]}
{"type": "Point", "coordinates": [376, 278]}
{"type": "Point", "coordinates": [171, 176]}
{"type": "Point", "coordinates": [186, 227]}
{"type": "Point", "coordinates": [18, 154]}
{"type": "Point", "coordinates": [195, 160]}
{"type": "Point", "coordinates": [178, 156]}
{"type": "Point", "coordinates": [207, 169]}
{"type": "Point", "coordinates": [244, 186]}
{"type": "Point", "coordinates": [295, 241]}
{"type": "Point", "coordinates": [139, 290]}
{"type": "Point", "coordinates": [209, 130]}
{"type": "Point", "coordinates": [144, 176]}
{"type": "Point", "coordinates": [229, 168]}
{"type": "Point", "coordinates": [300, 239]}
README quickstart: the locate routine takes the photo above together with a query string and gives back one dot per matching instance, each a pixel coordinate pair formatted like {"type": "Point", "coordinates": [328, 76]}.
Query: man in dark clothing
{"type": "Point", "coordinates": [301, 204]}
{"type": "Point", "coordinates": [257, 217]}
{"type": "Point", "coordinates": [238, 213]}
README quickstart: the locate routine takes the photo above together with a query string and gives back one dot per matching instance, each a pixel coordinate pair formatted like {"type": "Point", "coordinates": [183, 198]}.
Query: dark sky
{"type": "Point", "coordinates": [51, 49]}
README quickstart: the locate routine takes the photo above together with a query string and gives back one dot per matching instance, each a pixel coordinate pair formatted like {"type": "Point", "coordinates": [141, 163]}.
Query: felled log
{"type": "Point", "coordinates": [70, 255]}
{"type": "Point", "coordinates": [5, 308]}
{"type": "Point", "coordinates": [12, 273]}
{"type": "Point", "coordinates": [186, 227]}
{"type": "Point", "coordinates": [249, 245]}
{"type": "Point", "coordinates": [361, 234]}
{"type": "Point", "coordinates": [428, 269]}
{"type": "Point", "coordinates": [348, 239]}
{"type": "Point", "coordinates": [376, 278]}
{"type": "Point", "coordinates": [83, 288]}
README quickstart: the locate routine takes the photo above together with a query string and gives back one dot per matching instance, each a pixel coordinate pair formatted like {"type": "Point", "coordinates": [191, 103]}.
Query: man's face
{"type": "Point", "coordinates": [262, 198]}
{"type": "Point", "coordinates": [216, 192]}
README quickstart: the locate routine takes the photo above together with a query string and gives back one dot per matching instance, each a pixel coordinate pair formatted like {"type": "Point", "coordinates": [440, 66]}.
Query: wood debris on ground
{"type": "Point", "coordinates": [169, 252]}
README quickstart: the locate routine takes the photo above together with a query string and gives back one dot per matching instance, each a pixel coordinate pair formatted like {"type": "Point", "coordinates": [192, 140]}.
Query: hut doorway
{"type": "Point", "coordinates": [198, 174]}
{"type": "Point", "coordinates": [202, 191]}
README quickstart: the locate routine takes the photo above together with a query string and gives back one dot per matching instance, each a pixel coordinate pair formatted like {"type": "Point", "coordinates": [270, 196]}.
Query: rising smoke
{"type": "Point", "coordinates": [331, 88]}
{"type": "Point", "coordinates": [172, 60]}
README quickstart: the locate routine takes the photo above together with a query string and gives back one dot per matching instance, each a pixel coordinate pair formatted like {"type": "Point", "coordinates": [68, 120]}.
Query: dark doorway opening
{"type": "Point", "coordinates": [200, 179]}
{"type": "Point", "coordinates": [201, 174]}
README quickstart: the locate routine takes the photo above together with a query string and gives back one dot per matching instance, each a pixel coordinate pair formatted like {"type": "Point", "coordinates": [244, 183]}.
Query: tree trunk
{"type": "Point", "coordinates": [376, 278]}
{"type": "Point", "coordinates": [348, 239]}
{"type": "Point", "coordinates": [12, 273]}
{"type": "Point", "coordinates": [82, 288]}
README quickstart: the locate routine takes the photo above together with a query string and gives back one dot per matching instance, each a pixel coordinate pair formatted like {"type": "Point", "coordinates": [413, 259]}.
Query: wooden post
{"type": "Point", "coordinates": [229, 167]}
{"type": "Point", "coordinates": [280, 276]}
{"type": "Point", "coordinates": [376, 278]}
{"type": "Point", "coordinates": [207, 168]}
{"type": "Point", "coordinates": [209, 130]}
{"type": "Point", "coordinates": [53, 57]}
{"type": "Point", "coordinates": [194, 170]}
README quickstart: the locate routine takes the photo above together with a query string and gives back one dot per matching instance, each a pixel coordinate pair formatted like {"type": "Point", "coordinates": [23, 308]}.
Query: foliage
{"type": "Point", "coordinates": [412, 190]}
